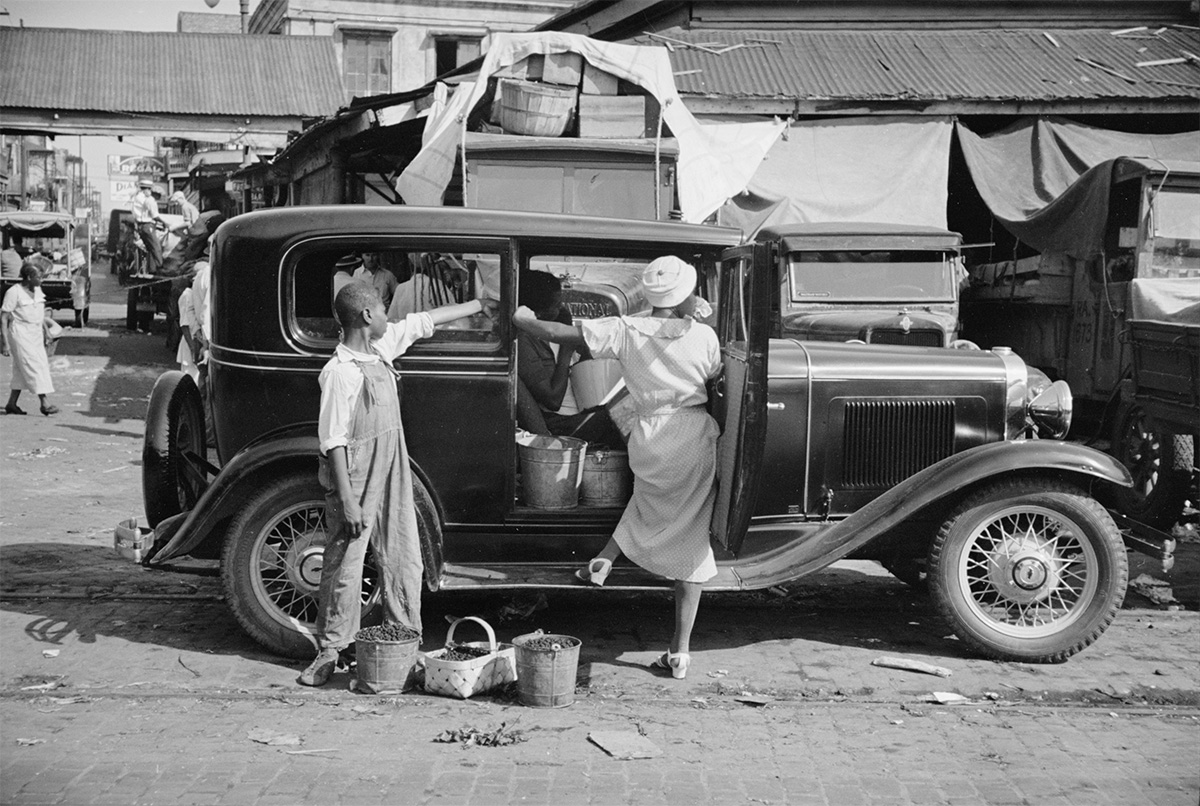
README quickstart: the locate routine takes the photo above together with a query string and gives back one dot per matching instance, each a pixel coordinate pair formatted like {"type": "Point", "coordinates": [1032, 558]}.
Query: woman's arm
{"type": "Point", "coordinates": [5, 322]}
{"type": "Point", "coordinates": [569, 335]}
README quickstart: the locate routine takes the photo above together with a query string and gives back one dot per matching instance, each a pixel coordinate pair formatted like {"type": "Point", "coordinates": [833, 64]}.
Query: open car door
{"type": "Point", "coordinates": [740, 399]}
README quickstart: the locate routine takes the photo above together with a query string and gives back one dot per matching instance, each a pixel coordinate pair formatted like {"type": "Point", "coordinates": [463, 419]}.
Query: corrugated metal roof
{"type": "Point", "coordinates": [933, 65]}
{"type": "Point", "coordinates": [172, 73]}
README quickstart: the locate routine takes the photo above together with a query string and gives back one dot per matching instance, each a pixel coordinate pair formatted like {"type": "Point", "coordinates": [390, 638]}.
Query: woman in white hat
{"type": "Point", "coordinates": [666, 359]}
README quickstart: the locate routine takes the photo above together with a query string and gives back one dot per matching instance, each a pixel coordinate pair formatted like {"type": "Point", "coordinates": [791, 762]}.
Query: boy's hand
{"type": "Point", "coordinates": [352, 517]}
{"type": "Point", "coordinates": [490, 307]}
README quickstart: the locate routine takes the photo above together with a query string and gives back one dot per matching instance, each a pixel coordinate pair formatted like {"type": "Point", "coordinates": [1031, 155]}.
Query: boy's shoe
{"type": "Point", "coordinates": [320, 670]}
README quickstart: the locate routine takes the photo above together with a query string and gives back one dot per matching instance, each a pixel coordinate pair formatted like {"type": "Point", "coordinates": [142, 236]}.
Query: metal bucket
{"type": "Point", "coordinates": [551, 470]}
{"type": "Point", "coordinates": [546, 677]}
{"type": "Point", "coordinates": [384, 665]}
{"type": "Point", "coordinates": [607, 480]}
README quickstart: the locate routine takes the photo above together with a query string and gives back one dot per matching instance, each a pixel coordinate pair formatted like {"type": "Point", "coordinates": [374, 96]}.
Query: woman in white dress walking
{"type": "Point", "coordinates": [666, 359]}
{"type": "Point", "coordinates": [22, 334]}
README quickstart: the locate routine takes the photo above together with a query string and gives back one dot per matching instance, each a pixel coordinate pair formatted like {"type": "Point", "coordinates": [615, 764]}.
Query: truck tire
{"type": "Point", "coordinates": [1160, 462]}
{"type": "Point", "coordinates": [1028, 570]}
{"type": "Point", "coordinates": [174, 426]}
{"type": "Point", "coordinates": [271, 563]}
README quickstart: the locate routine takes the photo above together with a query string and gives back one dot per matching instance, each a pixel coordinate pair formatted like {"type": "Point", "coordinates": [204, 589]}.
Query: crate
{"type": "Point", "coordinates": [540, 110]}
{"type": "Point", "coordinates": [1166, 361]}
{"type": "Point", "coordinates": [528, 69]}
{"type": "Point", "coordinates": [597, 81]}
{"type": "Point", "coordinates": [563, 68]}
{"type": "Point", "coordinates": [616, 116]}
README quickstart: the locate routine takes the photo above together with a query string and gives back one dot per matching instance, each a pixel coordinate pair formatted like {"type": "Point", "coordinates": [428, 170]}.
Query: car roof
{"type": "Point", "coordinates": [403, 219]}
{"type": "Point", "coordinates": [34, 223]}
{"type": "Point", "coordinates": [858, 235]}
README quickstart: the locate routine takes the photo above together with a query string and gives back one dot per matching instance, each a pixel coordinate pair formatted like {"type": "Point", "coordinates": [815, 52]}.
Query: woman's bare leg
{"type": "Point", "coordinates": [611, 550]}
{"type": "Point", "coordinates": [687, 604]}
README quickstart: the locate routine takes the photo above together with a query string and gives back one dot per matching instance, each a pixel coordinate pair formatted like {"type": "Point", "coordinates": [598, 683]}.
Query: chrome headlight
{"type": "Point", "coordinates": [1050, 410]}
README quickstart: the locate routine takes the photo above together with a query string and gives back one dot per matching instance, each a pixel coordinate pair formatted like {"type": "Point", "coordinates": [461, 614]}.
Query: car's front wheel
{"type": "Point", "coordinates": [1028, 570]}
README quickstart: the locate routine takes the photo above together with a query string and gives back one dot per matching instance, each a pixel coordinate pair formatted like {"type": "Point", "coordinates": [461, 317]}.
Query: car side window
{"type": "Point", "coordinates": [411, 276]}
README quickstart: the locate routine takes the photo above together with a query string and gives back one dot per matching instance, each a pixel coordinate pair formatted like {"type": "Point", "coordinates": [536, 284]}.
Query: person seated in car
{"type": "Point", "coordinates": [438, 279]}
{"type": "Point", "coordinates": [545, 402]}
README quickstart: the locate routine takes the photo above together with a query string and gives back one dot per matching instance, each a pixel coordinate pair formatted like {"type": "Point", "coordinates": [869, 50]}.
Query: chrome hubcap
{"type": "Point", "coordinates": [1028, 571]}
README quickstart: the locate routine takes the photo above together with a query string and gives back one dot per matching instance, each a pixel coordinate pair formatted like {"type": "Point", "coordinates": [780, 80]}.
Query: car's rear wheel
{"type": "Point", "coordinates": [171, 481]}
{"type": "Point", "coordinates": [1028, 570]}
{"type": "Point", "coordinates": [272, 560]}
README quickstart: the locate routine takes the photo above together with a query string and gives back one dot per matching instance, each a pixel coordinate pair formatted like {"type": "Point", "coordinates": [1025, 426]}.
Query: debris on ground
{"type": "Point", "coordinates": [719, 673]}
{"type": "Point", "coordinates": [624, 744]}
{"type": "Point", "coordinates": [946, 698]}
{"type": "Point", "coordinates": [264, 736]}
{"type": "Point", "coordinates": [29, 742]}
{"type": "Point", "coordinates": [757, 702]}
{"type": "Point", "coordinates": [37, 453]}
{"type": "Point", "coordinates": [1157, 591]}
{"type": "Point", "coordinates": [50, 653]}
{"type": "Point", "coordinates": [520, 608]}
{"type": "Point", "coordinates": [912, 666]}
{"type": "Point", "coordinates": [474, 737]}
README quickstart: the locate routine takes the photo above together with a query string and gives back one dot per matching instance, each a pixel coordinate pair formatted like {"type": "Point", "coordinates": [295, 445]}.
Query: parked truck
{"type": "Point", "coordinates": [1068, 312]}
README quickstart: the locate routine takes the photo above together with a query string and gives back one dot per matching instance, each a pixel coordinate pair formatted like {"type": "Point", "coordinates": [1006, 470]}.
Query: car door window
{"type": "Point", "coordinates": [412, 275]}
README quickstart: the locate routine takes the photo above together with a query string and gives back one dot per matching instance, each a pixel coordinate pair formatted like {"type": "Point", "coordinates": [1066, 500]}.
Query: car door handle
{"type": "Point", "coordinates": [776, 407]}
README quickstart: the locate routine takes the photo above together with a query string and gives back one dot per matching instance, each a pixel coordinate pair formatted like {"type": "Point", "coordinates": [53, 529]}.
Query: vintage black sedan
{"type": "Point", "coordinates": [904, 454]}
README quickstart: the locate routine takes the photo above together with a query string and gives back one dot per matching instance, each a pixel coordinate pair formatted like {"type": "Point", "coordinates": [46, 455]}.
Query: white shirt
{"type": "Point", "coordinates": [145, 208]}
{"type": "Point", "coordinates": [201, 283]}
{"type": "Point", "coordinates": [341, 379]}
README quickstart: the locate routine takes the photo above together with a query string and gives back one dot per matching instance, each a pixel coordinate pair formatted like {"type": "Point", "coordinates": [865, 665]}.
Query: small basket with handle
{"type": "Point", "coordinates": [463, 678]}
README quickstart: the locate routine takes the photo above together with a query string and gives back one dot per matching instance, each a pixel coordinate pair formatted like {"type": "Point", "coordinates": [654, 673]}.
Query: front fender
{"type": "Point", "coordinates": [937, 483]}
{"type": "Point", "coordinates": [293, 448]}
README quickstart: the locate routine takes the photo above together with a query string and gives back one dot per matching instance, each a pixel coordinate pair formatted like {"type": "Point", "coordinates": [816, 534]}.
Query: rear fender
{"type": "Point", "coordinates": [285, 451]}
{"type": "Point", "coordinates": [942, 484]}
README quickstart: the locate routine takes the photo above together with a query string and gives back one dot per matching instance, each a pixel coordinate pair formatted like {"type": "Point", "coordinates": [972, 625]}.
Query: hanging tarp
{"type": "Point", "coordinates": [715, 161]}
{"type": "Point", "coordinates": [1031, 175]}
{"type": "Point", "coordinates": [867, 169]}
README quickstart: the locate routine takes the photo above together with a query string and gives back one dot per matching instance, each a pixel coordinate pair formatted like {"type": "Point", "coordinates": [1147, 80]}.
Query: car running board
{"type": "Point", "coordinates": [1146, 540]}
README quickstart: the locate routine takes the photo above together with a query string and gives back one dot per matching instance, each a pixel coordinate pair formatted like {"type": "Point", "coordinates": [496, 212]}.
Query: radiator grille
{"type": "Point", "coordinates": [918, 338]}
{"type": "Point", "coordinates": [886, 441]}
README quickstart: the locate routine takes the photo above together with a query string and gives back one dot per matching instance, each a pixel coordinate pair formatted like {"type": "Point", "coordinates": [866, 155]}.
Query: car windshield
{"type": "Point", "coordinates": [874, 276]}
{"type": "Point", "coordinates": [1176, 226]}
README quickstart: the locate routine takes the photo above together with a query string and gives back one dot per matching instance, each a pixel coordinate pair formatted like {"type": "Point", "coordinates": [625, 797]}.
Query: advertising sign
{"type": "Point", "coordinates": [132, 166]}
{"type": "Point", "coordinates": [122, 191]}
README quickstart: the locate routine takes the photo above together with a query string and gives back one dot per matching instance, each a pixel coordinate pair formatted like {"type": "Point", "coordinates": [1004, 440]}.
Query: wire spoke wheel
{"type": "Point", "coordinates": [272, 564]}
{"type": "Point", "coordinates": [1028, 569]}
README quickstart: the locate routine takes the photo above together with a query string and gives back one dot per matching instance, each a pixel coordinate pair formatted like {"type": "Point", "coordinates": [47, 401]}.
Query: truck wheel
{"type": "Point", "coordinates": [1160, 463]}
{"type": "Point", "coordinates": [272, 558]}
{"type": "Point", "coordinates": [174, 426]}
{"type": "Point", "coordinates": [1028, 570]}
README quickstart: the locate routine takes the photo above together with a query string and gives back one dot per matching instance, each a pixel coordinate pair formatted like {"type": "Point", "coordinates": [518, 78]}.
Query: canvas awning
{"type": "Point", "coordinates": [1047, 180]}
{"type": "Point", "coordinates": [866, 169]}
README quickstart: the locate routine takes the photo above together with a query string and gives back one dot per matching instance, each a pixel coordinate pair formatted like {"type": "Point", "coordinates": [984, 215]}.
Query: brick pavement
{"type": "Point", "coordinates": [120, 749]}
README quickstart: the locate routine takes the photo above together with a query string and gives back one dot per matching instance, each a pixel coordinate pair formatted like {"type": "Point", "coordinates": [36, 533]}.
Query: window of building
{"type": "Point", "coordinates": [454, 51]}
{"type": "Point", "coordinates": [366, 63]}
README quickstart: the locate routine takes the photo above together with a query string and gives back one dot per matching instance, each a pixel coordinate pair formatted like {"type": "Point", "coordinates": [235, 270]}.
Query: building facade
{"type": "Point", "coordinates": [386, 46]}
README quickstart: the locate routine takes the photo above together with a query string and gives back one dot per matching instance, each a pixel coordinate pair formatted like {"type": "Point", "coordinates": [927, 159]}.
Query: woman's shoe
{"type": "Point", "coordinates": [596, 571]}
{"type": "Point", "coordinates": [677, 662]}
{"type": "Point", "coordinates": [13, 408]}
{"type": "Point", "coordinates": [48, 410]}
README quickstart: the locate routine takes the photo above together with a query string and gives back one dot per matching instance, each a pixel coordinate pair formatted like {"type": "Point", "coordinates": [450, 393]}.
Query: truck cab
{"type": "Point", "coordinates": [875, 283]}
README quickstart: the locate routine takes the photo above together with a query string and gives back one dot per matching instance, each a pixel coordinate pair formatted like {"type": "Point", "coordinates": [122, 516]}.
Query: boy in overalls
{"type": "Point", "coordinates": [364, 470]}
